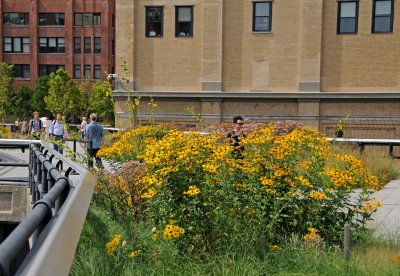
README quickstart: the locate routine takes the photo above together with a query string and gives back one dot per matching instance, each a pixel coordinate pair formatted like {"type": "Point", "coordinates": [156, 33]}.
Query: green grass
{"type": "Point", "coordinates": [163, 258]}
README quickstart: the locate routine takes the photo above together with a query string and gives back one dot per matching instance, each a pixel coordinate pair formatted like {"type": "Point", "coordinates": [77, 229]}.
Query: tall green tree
{"type": "Point", "coordinates": [6, 89]}
{"type": "Point", "coordinates": [64, 95]}
{"type": "Point", "coordinates": [22, 106]}
{"type": "Point", "coordinates": [101, 101]}
{"type": "Point", "coordinates": [40, 92]}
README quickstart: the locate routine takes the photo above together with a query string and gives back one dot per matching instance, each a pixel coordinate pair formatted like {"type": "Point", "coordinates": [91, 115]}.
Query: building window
{"type": "Point", "coordinates": [113, 47]}
{"type": "Point", "coordinates": [382, 16]}
{"type": "Point", "coordinates": [22, 71]}
{"type": "Point", "coordinates": [262, 15]}
{"type": "Point", "coordinates": [51, 45]}
{"type": "Point", "coordinates": [47, 69]}
{"type": "Point", "coordinates": [87, 19]}
{"type": "Point", "coordinates": [88, 45]}
{"type": "Point", "coordinates": [88, 71]}
{"type": "Point", "coordinates": [347, 17]}
{"type": "Point", "coordinates": [97, 45]}
{"type": "Point", "coordinates": [77, 45]}
{"type": "Point", "coordinates": [16, 45]}
{"type": "Point", "coordinates": [77, 71]}
{"type": "Point", "coordinates": [15, 18]}
{"type": "Point", "coordinates": [154, 21]}
{"type": "Point", "coordinates": [113, 21]}
{"type": "Point", "coordinates": [97, 71]}
{"type": "Point", "coordinates": [183, 21]}
{"type": "Point", "coordinates": [51, 19]}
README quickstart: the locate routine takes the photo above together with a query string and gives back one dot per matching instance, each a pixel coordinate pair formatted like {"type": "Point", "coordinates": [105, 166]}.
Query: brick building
{"type": "Point", "coordinates": [41, 36]}
{"type": "Point", "coordinates": [308, 60]}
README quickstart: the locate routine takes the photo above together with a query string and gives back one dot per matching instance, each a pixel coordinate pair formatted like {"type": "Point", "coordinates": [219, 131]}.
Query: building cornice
{"type": "Point", "coordinates": [261, 95]}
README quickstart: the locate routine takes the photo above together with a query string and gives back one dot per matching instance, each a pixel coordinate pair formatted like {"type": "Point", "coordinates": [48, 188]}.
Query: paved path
{"type": "Point", "coordinates": [386, 221]}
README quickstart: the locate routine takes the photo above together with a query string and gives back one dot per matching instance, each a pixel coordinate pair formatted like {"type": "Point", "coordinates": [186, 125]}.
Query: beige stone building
{"type": "Point", "coordinates": [308, 60]}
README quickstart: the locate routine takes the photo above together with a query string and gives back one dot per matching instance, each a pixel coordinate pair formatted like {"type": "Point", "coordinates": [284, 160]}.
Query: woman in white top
{"type": "Point", "coordinates": [83, 127]}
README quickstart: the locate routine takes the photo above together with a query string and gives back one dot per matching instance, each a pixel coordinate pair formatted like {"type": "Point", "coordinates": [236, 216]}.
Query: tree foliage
{"type": "Point", "coordinates": [6, 90]}
{"type": "Point", "coordinates": [65, 95]}
{"type": "Point", "coordinates": [21, 100]}
{"type": "Point", "coordinates": [101, 101]}
{"type": "Point", "coordinates": [40, 92]}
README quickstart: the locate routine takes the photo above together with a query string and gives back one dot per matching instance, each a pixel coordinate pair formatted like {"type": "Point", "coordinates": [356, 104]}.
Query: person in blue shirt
{"type": "Point", "coordinates": [58, 132]}
{"type": "Point", "coordinates": [94, 138]}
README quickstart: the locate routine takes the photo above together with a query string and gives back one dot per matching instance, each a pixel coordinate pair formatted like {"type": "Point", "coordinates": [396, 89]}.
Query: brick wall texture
{"type": "Point", "coordinates": [302, 54]}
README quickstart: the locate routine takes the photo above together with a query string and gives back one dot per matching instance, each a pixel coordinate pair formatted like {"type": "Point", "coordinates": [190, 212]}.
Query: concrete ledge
{"type": "Point", "coordinates": [263, 95]}
{"type": "Point", "coordinates": [13, 203]}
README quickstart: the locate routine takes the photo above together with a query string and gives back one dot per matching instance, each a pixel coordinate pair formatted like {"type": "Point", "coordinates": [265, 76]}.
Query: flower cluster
{"type": "Point", "coordinates": [111, 245]}
{"type": "Point", "coordinates": [371, 205]}
{"type": "Point", "coordinates": [318, 195]}
{"type": "Point", "coordinates": [311, 235]}
{"type": "Point", "coordinates": [193, 191]}
{"type": "Point", "coordinates": [4, 132]}
{"type": "Point", "coordinates": [173, 231]}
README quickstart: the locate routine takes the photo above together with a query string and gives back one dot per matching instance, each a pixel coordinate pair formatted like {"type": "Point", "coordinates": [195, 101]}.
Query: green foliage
{"type": "Point", "coordinates": [101, 101]}
{"type": "Point", "coordinates": [41, 91]}
{"type": "Point", "coordinates": [160, 257]}
{"type": "Point", "coordinates": [65, 96]}
{"type": "Point", "coordinates": [6, 90]}
{"type": "Point", "coordinates": [22, 104]}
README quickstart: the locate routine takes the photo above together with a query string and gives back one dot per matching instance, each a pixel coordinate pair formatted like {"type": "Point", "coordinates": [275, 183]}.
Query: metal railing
{"type": "Point", "coordinates": [54, 225]}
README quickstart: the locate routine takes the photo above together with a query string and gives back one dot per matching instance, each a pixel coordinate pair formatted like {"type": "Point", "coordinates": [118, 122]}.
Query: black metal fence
{"type": "Point", "coordinates": [54, 196]}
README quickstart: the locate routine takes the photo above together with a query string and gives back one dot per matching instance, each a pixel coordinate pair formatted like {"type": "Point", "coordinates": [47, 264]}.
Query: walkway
{"type": "Point", "coordinates": [386, 221]}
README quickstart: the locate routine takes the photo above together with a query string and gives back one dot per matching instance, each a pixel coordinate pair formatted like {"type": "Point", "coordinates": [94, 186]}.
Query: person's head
{"type": "Point", "coordinates": [84, 119]}
{"type": "Point", "coordinates": [58, 117]}
{"type": "Point", "coordinates": [36, 115]}
{"type": "Point", "coordinates": [238, 121]}
{"type": "Point", "coordinates": [93, 117]}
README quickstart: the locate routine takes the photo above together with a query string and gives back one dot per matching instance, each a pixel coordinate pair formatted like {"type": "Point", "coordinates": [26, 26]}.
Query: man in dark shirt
{"type": "Point", "coordinates": [236, 135]}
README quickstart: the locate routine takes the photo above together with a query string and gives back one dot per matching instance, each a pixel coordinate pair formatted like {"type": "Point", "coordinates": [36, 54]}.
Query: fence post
{"type": "Point", "coordinates": [346, 242]}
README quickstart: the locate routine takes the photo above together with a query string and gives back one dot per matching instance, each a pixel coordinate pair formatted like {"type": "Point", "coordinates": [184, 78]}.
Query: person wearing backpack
{"type": "Point", "coordinates": [58, 132]}
{"type": "Point", "coordinates": [35, 126]}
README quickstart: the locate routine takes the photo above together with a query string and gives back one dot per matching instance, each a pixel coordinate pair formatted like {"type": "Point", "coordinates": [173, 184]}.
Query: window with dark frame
{"type": "Point", "coordinates": [347, 17]}
{"type": "Point", "coordinates": [382, 21]}
{"type": "Point", "coordinates": [22, 71]}
{"type": "Point", "coordinates": [77, 45]}
{"type": "Point", "coordinates": [262, 16]}
{"type": "Point", "coordinates": [47, 69]}
{"type": "Point", "coordinates": [87, 47]}
{"type": "Point", "coordinates": [87, 71]}
{"type": "Point", "coordinates": [97, 45]}
{"type": "Point", "coordinates": [113, 47]}
{"type": "Point", "coordinates": [97, 71]}
{"type": "Point", "coordinates": [154, 21]}
{"type": "Point", "coordinates": [16, 44]}
{"type": "Point", "coordinates": [87, 19]}
{"type": "Point", "coordinates": [183, 21]}
{"type": "Point", "coordinates": [15, 18]}
{"type": "Point", "coordinates": [51, 19]}
{"type": "Point", "coordinates": [77, 71]}
{"type": "Point", "coordinates": [51, 45]}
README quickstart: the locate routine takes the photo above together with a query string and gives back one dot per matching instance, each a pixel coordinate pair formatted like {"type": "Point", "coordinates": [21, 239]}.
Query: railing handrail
{"type": "Point", "coordinates": [56, 230]}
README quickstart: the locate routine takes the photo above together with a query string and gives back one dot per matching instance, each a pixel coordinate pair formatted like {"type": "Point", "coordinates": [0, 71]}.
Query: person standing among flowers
{"type": "Point", "coordinates": [95, 138]}
{"type": "Point", "coordinates": [236, 135]}
{"type": "Point", "coordinates": [83, 127]}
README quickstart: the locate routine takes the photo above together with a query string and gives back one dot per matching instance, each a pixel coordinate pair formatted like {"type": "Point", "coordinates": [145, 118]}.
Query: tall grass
{"type": "Point", "coordinates": [162, 258]}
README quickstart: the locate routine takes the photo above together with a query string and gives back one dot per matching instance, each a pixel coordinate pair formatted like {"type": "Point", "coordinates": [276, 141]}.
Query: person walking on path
{"type": "Point", "coordinates": [94, 137]}
{"type": "Point", "coordinates": [24, 127]}
{"type": "Point", "coordinates": [17, 126]}
{"type": "Point", "coordinates": [236, 135]}
{"type": "Point", "coordinates": [83, 127]}
{"type": "Point", "coordinates": [58, 132]}
{"type": "Point", "coordinates": [35, 126]}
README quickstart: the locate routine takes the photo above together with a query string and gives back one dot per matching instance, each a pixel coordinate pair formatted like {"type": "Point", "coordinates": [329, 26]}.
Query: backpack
{"type": "Point", "coordinates": [31, 123]}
